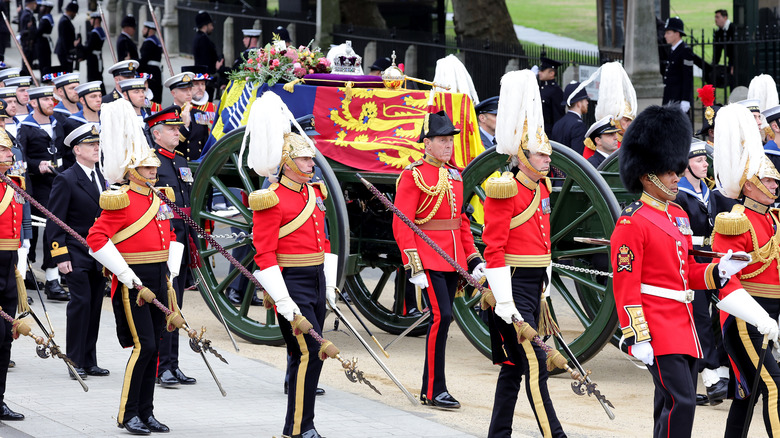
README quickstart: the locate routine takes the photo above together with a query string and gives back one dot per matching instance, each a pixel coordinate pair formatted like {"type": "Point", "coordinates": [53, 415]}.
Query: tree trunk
{"type": "Point", "coordinates": [364, 13]}
{"type": "Point", "coordinates": [484, 19]}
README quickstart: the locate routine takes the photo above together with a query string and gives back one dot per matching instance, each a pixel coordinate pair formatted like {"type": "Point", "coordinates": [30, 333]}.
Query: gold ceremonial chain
{"type": "Point", "coordinates": [442, 187]}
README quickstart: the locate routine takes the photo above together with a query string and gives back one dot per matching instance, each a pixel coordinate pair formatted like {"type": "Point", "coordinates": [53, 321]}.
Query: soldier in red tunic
{"type": "Point", "coordinates": [11, 205]}
{"type": "Point", "coordinates": [431, 192]}
{"type": "Point", "coordinates": [294, 259]}
{"type": "Point", "coordinates": [134, 240]}
{"type": "Point", "coordinates": [654, 273]}
{"type": "Point", "coordinates": [517, 227]}
{"type": "Point", "coordinates": [746, 174]}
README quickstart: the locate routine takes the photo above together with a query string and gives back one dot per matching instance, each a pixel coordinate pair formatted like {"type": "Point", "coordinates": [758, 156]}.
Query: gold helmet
{"type": "Point", "coordinates": [270, 139]}
{"type": "Point", "coordinates": [520, 122]}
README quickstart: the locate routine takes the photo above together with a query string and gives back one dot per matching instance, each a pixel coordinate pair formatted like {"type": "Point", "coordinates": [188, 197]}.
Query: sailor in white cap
{"type": "Point", "coordinates": [195, 130]}
{"type": "Point", "coordinates": [134, 90]}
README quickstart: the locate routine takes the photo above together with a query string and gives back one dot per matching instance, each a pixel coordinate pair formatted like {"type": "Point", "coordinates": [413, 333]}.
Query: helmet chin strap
{"type": "Point", "coordinates": [523, 159]}
{"type": "Point", "coordinates": [763, 188]}
{"type": "Point", "coordinates": [294, 167]}
{"type": "Point", "coordinates": [134, 175]}
{"type": "Point", "coordinates": [657, 182]}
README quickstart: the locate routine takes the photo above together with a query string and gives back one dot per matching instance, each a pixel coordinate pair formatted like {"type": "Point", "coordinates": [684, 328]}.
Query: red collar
{"type": "Point", "coordinates": [166, 152]}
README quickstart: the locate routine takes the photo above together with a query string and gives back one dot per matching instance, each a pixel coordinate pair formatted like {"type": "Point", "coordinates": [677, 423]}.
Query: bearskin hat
{"type": "Point", "coordinates": [657, 141]}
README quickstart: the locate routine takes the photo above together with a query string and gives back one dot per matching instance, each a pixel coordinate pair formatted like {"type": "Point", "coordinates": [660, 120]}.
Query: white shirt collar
{"type": "Point", "coordinates": [86, 170]}
{"type": "Point", "coordinates": [487, 134]}
{"type": "Point", "coordinates": [602, 153]}
{"type": "Point", "coordinates": [677, 45]}
{"type": "Point", "coordinates": [727, 24]}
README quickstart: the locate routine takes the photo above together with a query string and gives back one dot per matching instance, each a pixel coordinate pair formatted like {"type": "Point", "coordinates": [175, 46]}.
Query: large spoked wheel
{"type": "Point", "coordinates": [582, 206]}
{"type": "Point", "coordinates": [217, 174]}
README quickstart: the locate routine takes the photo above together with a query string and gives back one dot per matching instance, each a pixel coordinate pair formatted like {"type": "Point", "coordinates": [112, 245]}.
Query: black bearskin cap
{"type": "Point", "coordinates": [657, 141]}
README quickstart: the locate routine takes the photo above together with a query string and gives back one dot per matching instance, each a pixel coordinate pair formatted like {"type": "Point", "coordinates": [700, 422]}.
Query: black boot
{"type": "Point", "coordinates": [55, 292]}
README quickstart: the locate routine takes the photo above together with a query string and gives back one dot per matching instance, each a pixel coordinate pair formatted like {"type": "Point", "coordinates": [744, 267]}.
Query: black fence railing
{"type": "Point", "coordinates": [485, 60]}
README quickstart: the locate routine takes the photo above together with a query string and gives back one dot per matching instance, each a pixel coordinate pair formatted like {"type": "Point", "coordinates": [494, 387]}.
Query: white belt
{"type": "Point", "coordinates": [97, 52]}
{"type": "Point", "coordinates": [157, 64]}
{"type": "Point", "coordinates": [700, 240]}
{"type": "Point", "coordinates": [683, 296]}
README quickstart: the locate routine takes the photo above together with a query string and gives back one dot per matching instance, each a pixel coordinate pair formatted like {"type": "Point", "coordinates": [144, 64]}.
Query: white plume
{"type": "Point", "coordinates": [452, 73]}
{"type": "Point", "coordinates": [269, 119]}
{"type": "Point", "coordinates": [519, 101]}
{"type": "Point", "coordinates": [738, 148]}
{"type": "Point", "coordinates": [122, 140]}
{"type": "Point", "coordinates": [763, 88]}
{"type": "Point", "coordinates": [616, 92]}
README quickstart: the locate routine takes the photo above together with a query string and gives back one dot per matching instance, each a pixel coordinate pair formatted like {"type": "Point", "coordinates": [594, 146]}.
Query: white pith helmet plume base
{"type": "Point", "coordinates": [617, 97]}
{"type": "Point", "coordinates": [520, 122]}
{"type": "Point", "coordinates": [123, 145]}
{"type": "Point", "coordinates": [270, 139]}
{"type": "Point", "coordinates": [452, 73]}
{"type": "Point", "coordinates": [739, 152]}
{"type": "Point", "coordinates": [763, 88]}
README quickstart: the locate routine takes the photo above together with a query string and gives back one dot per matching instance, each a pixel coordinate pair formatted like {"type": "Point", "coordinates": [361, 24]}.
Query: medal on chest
{"type": "Point", "coordinates": [454, 175]}
{"type": "Point", "coordinates": [684, 225]}
{"type": "Point", "coordinates": [17, 196]}
{"type": "Point", "coordinates": [186, 174]}
{"type": "Point", "coordinates": [320, 204]}
{"type": "Point", "coordinates": [164, 213]}
{"type": "Point", "coordinates": [546, 206]}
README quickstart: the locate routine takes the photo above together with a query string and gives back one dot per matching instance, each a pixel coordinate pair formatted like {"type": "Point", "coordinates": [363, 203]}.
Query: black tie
{"type": "Point", "coordinates": [95, 184]}
{"type": "Point", "coordinates": [494, 141]}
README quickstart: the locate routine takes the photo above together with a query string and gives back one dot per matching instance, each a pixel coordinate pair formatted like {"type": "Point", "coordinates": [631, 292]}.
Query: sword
{"type": "Point", "coordinates": [590, 387]}
{"type": "Point", "coordinates": [198, 349]}
{"type": "Point", "coordinates": [414, 325]}
{"type": "Point", "coordinates": [376, 358]}
{"type": "Point", "coordinates": [754, 390]}
{"type": "Point", "coordinates": [213, 302]}
{"type": "Point", "coordinates": [40, 296]}
{"type": "Point", "coordinates": [351, 309]}
{"type": "Point", "coordinates": [693, 252]}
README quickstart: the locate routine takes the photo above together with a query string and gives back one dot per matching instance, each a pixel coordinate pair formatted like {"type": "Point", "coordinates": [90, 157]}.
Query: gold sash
{"type": "Point", "coordinates": [526, 214]}
{"type": "Point", "coordinates": [6, 201]}
{"type": "Point", "coordinates": [139, 224]}
{"type": "Point", "coordinates": [302, 217]}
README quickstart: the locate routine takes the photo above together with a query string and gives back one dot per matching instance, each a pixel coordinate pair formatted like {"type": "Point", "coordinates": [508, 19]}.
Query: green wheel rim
{"type": "Point", "coordinates": [219, 170]}
{"type": "Point", "coordinates": [582, 206]}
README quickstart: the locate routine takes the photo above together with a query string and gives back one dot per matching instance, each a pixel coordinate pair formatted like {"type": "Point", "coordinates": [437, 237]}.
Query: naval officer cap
{"type": "Point", "coordinates": [181, 80]}
{"type": "Point", "coordinates": [772, 114]}
{"type": "Point", "coordinates": [10, 72]}
{"type": "Point", "coordinates": [751, 104]}
{"type": "Point", "coordinates": [124, 68]}
{"type": "Point", "coordinates": [86, 133]}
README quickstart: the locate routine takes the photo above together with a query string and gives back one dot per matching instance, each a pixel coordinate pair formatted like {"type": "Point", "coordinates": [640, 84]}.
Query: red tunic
{"type": "Point", "coordinates": [649, 247]}
{"type": "Point", "coordinates": [457, 241]}
{"type": "Point", "coordinates": [10, 218]}
{"type": "Point", "coordinates": [306, 244]}
{"type": "Point", "coordinates": [528, 244]}
{"type": "Point", "coordinates": [148, 241]}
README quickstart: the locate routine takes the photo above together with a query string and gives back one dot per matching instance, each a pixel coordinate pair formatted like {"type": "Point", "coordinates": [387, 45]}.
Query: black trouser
{"type": "Point", "coordinates": [306, 286]}
{"type": "Point", "coordinates": [674, 402]}
{"type": "Point", "coordinates": [146, 324]}
{"type": "Point", "coordinates": [87, 287]}
{"type": "Point", "coordinates": [8, 301]}
{"type": "Point", "coordinates": [169, 344]}
{"type": "Point", "coordinates": [743, 344]}
{"type": "Point", "coordinates": [522, 359]}
{"type": "Point", "coordinates": [709, 334]}
{"type": "Point", "coordinates": [439, 295]}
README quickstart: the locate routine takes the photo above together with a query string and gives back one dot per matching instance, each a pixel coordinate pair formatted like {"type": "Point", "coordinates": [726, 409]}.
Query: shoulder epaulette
{"type": "Point", "coordinates": [501, 187]}
{"type": "Point", "coordinates": [732, 223]}
{"type": "Point", "coordinates": [19, 180]}
{"type": "Point", "coordinates": [263, 199]}
{"type": "Point", "coordinates": [180, 153]}
{"type": "Point", "coordinates": [676, 205]}
{"type": "Point", "coordinates": [632, 208]}
{"type": "Point", "coordinates": [169, 193]}
{"type": "Point", "coordinates": [323, 189]}
{"type": "Point", "coordinates": [413, 165]}
{"type": "Point", "coordinates": [115, 199]}
{"type": "Point", "coordinates": [548, 183]}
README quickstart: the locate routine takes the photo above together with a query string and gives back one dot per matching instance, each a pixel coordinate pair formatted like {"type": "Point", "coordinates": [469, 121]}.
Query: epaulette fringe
{"type": "Point", "coordinates": [732, 223]}
{"type": "Point", "coordinates": [263, 199]}
{"type": "Point", "coordinates": [501, 187]}
{"type": "Point", "coordinates": [115, 199]}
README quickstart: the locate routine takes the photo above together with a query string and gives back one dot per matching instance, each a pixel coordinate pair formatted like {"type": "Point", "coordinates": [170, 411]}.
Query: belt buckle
{"type": "Point", "coordinates": [688, 296]}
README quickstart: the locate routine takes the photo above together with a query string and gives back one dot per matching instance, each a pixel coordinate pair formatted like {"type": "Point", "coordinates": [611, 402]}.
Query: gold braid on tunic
{"type": "Point", "coordinates": [442, 188]}
{"type": "Point", "coordinates": [763, 254]}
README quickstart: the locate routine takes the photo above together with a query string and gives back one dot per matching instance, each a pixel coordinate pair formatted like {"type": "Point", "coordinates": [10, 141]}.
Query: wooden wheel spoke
{"type": "Point", "coordinates": [565, 189]}
{"type": "Point", "coordinates": [243, 174]}
{"type": "Point", "coordinates": [224, 220]}
{"type": "Point", "coordinates": [480, 193]}
{"type": "Point", "coordinates": [232, 198]}
{"type": "Point", "coordinates": [573, 224]}
{"type": "Point", "coordinates": [567, 296]}
{"type": "Point", "coordinates": [579, 252]}
{"type": "Point", "coordinates": [380, 285]}
{"type": "Point", "coordinates": [471, 301]}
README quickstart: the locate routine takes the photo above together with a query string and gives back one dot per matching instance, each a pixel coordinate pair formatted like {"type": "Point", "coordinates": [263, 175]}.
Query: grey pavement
{"type": "Point", "coordinates": [55, 405]}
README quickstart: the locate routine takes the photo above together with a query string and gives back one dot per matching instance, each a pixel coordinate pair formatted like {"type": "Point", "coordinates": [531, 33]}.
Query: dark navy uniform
{"type": "Point", "coordinates": [570, 130]}
{"type": "Point", "coordinates": [205, 52]}
{"type": "Point", "coordinates": [125, 47]}
{"type": "Point", "coordinates": [43, 42]}
{"type": "Point", "coordinates": [597, 158]}
{"type": "Point", "coordinates": [94, 54]}
{"type": "Point", "coordinates": [28, 28]}
{"type": "Point", "coordinates": [151, 62]}
{"type": "Point", "coordinates": [192, 139]}
{"type": "Point", "coordinates": [678, 76]}
{"type": "Point", "coordinates": [75, 198]}
{"type": "Point", "coordinates": [66, 36]}
{"type": "Point", "coordinates": [299, 251]}
{"type": "Point", "coordinates": [552, 104]}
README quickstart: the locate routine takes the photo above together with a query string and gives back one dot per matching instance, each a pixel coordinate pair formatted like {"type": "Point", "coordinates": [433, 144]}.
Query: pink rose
{"type": "Point", "coordinates": [275, 63]}
{"type": "Point", "coordinates": [273, 51]}
{"type": "Point", "coordinates": [311, 70]}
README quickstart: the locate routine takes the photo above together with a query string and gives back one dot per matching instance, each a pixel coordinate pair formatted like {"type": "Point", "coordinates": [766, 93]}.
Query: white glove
{"type": "Point", "coordinates": [728, 266]}
{"type": "Point", "coordinates": [479, 271]}
{"type": "Point", "coordinates": [174, 258]}
{"type": "Point", "coordinates": [643, 351]}
{"type": "Point", "coordinates": [685, 105]}
{"type": "Point", "coordinates": [26, 244]}
{"type": "Point", "coordinates": [419, 280]}
{"type": "Point", "coordinates": [331, 276]}
{"type": "Point", "coordinates": [128, 278]}
{"type": "Point", "coordinates": [500, 281]}
{"type": "Point", "coordinates": [741, 305]}
{"type": "Point", "coordinates": [273, 282]}
{"type": "Point", "coordinates": [21, 265]}
{"type": "Point", "coordinates": [109, 257]}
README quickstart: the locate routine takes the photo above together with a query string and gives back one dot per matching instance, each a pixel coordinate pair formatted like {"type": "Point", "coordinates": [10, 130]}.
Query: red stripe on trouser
{"type": "Point", "coordinates": [669, 417]}
{"type": "Point", "coordinates": [431, 341]}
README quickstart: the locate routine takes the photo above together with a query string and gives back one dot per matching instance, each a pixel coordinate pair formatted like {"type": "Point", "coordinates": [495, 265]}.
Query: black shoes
{"type": "Point", "coordinates": [443, 401]}
{"type": "Point", "coordinates": [414, 313]}
{"type": "Point", "coordinates": [702, 400]}
{"type": "Point", "coordinates": [717, 392]}
{"type": "Point", "coordinates": [135, 426]}
{"type": "Point", "coordinates": [184, 380]}
{"type": "Point", "coordinates": [156, 426]}
{"type": "Point", "coordinates": [167, 379]}
{"type": "Point", "coordinates": [256, 301]}
{"type": "Point", "coordinates": [55, 292]}
{"type": "Point", "coordinates": [6, 414]}
{"type": "Point", "coordinates": [319, 391]}
{"type": "Point", "coordinates": [80, 371]}
{"type": "Point", "coordinates": [95, 370]}
{"type": "Point", "coordinates": [29, 282]}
